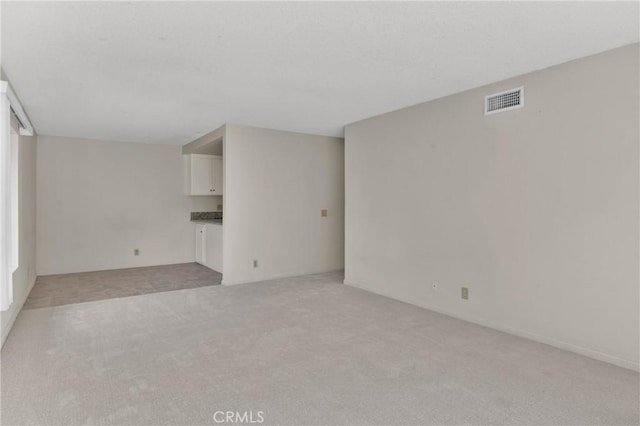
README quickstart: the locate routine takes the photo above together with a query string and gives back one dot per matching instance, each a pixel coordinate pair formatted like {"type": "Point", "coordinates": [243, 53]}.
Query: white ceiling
{"type": "Point", "coordinates": [170, 72]}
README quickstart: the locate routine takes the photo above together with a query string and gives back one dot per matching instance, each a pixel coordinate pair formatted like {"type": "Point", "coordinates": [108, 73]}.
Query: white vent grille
{"type": "Point", "coordinates": [504, 101]}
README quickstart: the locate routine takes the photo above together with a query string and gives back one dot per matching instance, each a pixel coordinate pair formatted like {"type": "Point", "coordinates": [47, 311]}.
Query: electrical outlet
{"type": "Point", "coordinates": [136, 252]}
{"type": "Point", "coordinates": [324, 213]}
{"type": "Point", "coordinates": [465, 293]}
{"type": "Point", "coordinates": [255, 263]}
{"type": "Point", "coordinates": [434, 285]}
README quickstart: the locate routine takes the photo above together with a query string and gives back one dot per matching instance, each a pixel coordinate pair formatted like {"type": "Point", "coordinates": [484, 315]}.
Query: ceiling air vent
{"type": "Point", "coordinates": [504, 101]}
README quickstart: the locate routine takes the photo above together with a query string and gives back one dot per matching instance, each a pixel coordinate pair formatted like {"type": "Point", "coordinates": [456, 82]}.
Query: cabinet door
{"type": "Point", "coordinates": [217, 176]}
{"type": "Point", "coordinates": [214, 247]}
{"type": "Point", "coordinates": [201, 244]}
{"type": "Point", "coordinates": [201, 175]}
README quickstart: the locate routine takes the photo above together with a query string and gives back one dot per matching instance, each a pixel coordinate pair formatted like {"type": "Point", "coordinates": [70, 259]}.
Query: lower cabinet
{"type": "Point", "coordinates": [201, 247]}
{"type": "Point", "coordinates": [209, 246]}
{"type": "Point", "coordinates": [213, 257]}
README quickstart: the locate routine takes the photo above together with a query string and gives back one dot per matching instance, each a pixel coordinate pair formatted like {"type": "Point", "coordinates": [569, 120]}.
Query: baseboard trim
{"type": "Point", "coordinates": [279, 276]}
{"type": "Point", "coordinates": [12, 319]}
{"type": "Point", "coordinates": [123, 268]}
{"type": "Point", "coordinates": [581, 350]}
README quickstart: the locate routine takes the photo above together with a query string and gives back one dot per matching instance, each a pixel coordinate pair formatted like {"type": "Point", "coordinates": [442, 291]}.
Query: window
{"type": "Point", "coordinates": [15, 195]}
{"type": "Point", "coordinates": [13, 123]}
{"type": "Point", "coordinates": [6, 203]}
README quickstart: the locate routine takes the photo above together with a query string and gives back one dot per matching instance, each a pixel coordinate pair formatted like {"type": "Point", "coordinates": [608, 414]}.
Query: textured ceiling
{"type": "Point", "coordinates": [170, 72]}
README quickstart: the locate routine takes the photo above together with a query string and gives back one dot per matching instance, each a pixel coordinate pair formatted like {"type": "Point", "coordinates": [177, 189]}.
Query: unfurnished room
{"type": "Point", "coordinates": [319, 213]}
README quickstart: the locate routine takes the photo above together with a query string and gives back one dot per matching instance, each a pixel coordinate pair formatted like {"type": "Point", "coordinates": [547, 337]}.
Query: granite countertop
{"type": "Point", "coordinates": [208, 221]}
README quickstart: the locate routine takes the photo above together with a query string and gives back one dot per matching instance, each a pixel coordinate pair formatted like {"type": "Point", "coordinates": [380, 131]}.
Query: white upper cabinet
{"type": "Point", "coordinates": [217, 175]}
{"type": "Point", "coordinates": [205, 174]}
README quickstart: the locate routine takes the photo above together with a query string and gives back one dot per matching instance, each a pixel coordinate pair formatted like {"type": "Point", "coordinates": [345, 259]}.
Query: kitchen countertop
{"type": "Point", "coordinates": [209, 221]}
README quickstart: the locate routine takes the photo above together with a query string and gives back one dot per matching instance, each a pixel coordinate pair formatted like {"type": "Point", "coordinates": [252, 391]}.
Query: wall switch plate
{"type": "Point", "coordinates": [465, 293]}
{"type": "Point", "coordinates": [255, 263]}
{"type": "Point", "coordinates": [136, 252]}
{"type": "Point", "coordinates": [323, 213]}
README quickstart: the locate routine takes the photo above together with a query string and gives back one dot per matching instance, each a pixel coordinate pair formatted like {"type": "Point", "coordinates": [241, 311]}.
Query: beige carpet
{"type": "Point", "coordinates": [305, 350]}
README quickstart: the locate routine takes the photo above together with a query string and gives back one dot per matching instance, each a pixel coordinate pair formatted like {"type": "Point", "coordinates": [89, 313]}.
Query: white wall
{"type": "Point", "coordinates": [535, 210]}
{"type": "Point", "coordinates": [99, 200]}
{"type": "Point", "coordinates": [276, 184]}
{"type": "Point", "coordinates": [25, 276]}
